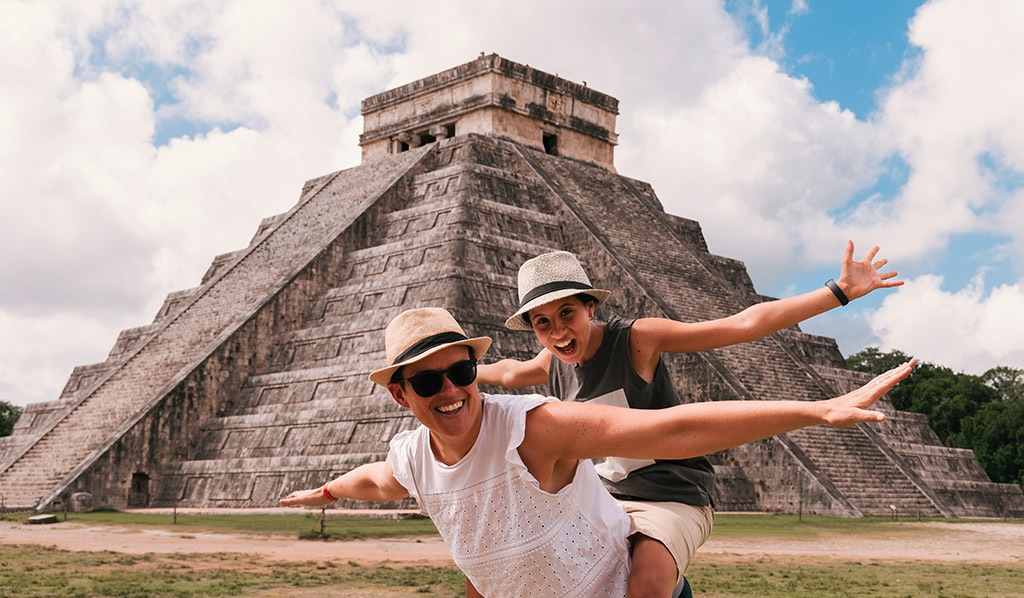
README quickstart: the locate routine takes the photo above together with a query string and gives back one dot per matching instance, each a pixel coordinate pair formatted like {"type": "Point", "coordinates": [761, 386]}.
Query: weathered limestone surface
{"type": "Point", "coordinates": [493, 96]}
{"type": "Point", "coordinates": [255, 382]}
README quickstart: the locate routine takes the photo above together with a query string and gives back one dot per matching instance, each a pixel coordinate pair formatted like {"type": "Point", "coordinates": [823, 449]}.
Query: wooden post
{"type": "Point", "coordinates": [800, 497]}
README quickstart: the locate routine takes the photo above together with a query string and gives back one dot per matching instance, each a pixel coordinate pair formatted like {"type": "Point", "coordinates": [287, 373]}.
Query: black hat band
{"type": "Point", "coordinates": [424, 345]}
{"type": "Point", "coordinates": [558, 285]}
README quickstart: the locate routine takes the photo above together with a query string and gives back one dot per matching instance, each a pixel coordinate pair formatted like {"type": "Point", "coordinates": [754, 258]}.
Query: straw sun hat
{"type": "Point", "coordinates": [417, 333]}
{"type": "Point", "coordinates": [548, 277]}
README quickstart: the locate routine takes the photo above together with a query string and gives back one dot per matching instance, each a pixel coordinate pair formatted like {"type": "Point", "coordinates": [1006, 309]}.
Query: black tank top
{"type": "Point", "coordinates": [609, 378]}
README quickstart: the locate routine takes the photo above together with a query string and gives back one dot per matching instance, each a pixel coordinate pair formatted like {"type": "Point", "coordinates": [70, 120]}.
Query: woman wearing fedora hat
{"type": "Point", "coordinates": [618, 362]}
{"type": "Point", "coordinates": [509, 481]}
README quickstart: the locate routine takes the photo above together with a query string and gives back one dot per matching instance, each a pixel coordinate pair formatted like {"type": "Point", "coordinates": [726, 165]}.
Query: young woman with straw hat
{"type": "Point", "coordinates": [618, 362]}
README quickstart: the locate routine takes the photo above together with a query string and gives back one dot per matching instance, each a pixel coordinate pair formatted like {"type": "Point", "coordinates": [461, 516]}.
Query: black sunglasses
{"type": "Point", "coordinates": [429, 383]}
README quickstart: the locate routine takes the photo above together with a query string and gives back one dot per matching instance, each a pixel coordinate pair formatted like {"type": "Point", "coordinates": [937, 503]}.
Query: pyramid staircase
{"type": "Point", "coordinates": [106, 401]}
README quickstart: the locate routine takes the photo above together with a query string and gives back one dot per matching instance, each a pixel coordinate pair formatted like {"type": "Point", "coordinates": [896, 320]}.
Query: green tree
{"type": "Point", "coordinates": [947, 398]}
{"type": "Point", "coordinates": [1008, 382]}
{"type": "Point", "coordinates": [873, 361]}
{"type": "Point", "coordinates": [8, 415]}
{"type": "Point", "coordinates": [934, 390]}
{"type": "Point", "coordinates": [996, 435]}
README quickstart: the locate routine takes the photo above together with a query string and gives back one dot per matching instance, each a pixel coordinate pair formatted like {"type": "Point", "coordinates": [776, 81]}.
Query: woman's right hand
{"type": "Point", "coordinates": [307, 498]}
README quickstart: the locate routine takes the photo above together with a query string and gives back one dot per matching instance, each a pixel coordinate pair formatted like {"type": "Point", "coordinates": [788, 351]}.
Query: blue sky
{"type": "Point", "coordinates": [848, 50]}
{"type": "Point", "coordinates": [139, 139]}
{"type": "Point", "coordinates": [852, 53]}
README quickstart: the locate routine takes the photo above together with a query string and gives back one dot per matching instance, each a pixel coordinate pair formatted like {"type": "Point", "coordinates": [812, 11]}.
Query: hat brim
{"type": "Point", "coordinates": [479, 345]}
{"type": "Point", "coordinates": [516, 321]}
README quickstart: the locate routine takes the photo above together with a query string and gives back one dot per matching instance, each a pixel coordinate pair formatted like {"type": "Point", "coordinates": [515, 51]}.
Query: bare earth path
{"type": "Point", "coordinates": [985, 542]}
{"type": "Point", "coordinates": [938, 542]}
{"type": "Point", "coordinates": [133, 540]}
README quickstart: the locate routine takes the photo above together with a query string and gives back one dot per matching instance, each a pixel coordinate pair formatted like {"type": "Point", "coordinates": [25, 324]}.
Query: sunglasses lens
{"type": "Point", "coordinates": [463, 373]}
{"type": "Point", "coordinates": [427, 384]}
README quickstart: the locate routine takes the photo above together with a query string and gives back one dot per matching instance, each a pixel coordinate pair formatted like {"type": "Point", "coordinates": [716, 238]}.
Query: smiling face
{"type": "Point", "coordinates": [566, 328]}
{"type": "Point", "coordinates": [453, 415]}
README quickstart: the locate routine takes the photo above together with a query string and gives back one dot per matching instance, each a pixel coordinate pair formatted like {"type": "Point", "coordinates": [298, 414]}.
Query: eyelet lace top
{"type": "Point", "coordinates": [506, 534]}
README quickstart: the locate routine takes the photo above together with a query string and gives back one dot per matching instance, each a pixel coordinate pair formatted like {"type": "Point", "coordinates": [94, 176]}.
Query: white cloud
{"type": "Point", "coordinates": [798, 7]}
{"type": "Point", "coordinates": [970, 330]}
{"type": "Point", "coordinates": [99, 224]}
{"type": "Point", "coordinates": [654, 57]}
{"type": "Point", "coordinates": [70, 149]}
{"type": "Point", "coordinates": [757, 155]}
{"type": "Point", "coordinates": [955, 107]}
{"type": "Point", "coordinates": [37, 364]}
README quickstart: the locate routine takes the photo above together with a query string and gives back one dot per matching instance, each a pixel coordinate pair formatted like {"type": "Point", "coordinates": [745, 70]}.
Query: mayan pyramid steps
{"type": "Point", "coordinates": [254, 383]}
{"type": "Point", "coordinates": [234, 314]}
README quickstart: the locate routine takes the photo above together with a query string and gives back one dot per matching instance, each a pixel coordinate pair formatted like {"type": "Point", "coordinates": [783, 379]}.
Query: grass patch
{"type": "Point", "coordinates": [825, 580]}
{"type": "Point", "coordinates": [32, 571]}
{"type": "Point", "coordinates": [788, 526]}
{"type": "Point", "coordinates": [738, 525]}
{"type": "Point", "coordinates": [307, 526]}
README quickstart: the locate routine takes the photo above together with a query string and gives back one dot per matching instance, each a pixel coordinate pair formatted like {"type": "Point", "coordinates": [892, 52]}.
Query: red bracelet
{"type": "Point", "coordinates": [328, 494]}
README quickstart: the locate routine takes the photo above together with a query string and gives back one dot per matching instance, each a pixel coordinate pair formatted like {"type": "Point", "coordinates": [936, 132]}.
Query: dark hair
{"type": "Point", "coordinates": [583, 297]}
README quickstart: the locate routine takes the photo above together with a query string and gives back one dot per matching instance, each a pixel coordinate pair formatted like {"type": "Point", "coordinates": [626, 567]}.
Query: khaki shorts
{"type": "Point", "coordinates": [681, 528]}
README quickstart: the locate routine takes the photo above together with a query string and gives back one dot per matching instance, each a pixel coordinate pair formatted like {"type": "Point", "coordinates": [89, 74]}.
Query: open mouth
{"type": "Point", "coordinates": [567, 347]}
{"type": "Point", "coordinates": [450, 409]}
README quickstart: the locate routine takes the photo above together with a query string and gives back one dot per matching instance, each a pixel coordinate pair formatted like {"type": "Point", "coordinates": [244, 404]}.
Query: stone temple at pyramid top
{"type": "Point", "coordinates": [493, 96]}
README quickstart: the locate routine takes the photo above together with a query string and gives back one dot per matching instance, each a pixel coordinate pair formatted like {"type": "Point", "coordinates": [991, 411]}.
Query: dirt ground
{"type": "Point", "coordinates": [984, 542]}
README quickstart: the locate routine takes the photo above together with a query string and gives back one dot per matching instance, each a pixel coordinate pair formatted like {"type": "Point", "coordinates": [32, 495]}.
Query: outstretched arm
{"type": "Point", "coordinates": [512, 373]}
{"type": "Point", "coordinates": [856, 279]}
{"type": "Point", "coordinates": [581, 431]}
{"type": "Point", "coordinates": [373, 482]}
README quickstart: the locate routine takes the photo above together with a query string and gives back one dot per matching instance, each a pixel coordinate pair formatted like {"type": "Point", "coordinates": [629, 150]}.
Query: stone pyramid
{"type": "Point", "coordinates": [255, 382]}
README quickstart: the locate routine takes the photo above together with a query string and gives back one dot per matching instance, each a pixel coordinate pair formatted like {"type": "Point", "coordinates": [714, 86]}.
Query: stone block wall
{"type": "Point", "coordinates": [493, 96]}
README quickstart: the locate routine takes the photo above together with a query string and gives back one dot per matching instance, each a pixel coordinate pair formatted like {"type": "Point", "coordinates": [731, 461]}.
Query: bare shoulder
{"type": "Point", "coordinates": [648, 327]}
{"type": "Point", "coordinates": [546, 422]}
{"type": "Point", "coordinates": [648, 335]}
{"type": "Point", "coordinates": [554, 426]}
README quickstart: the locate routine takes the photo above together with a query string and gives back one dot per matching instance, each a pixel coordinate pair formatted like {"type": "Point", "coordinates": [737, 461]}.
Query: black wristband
{"type": "Point", "coordinates": [838, 292]}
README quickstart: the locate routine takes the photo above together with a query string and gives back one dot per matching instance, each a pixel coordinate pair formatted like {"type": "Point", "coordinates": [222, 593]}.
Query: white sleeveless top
{"type": "Point", "coordinates": [506, 534]}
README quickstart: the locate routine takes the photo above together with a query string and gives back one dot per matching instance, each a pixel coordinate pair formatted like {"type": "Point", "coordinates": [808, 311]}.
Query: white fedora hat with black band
{"type": "Point", "coordinates": [417, 333]}
{"type": "Point", "coordinates": [548, 277]}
